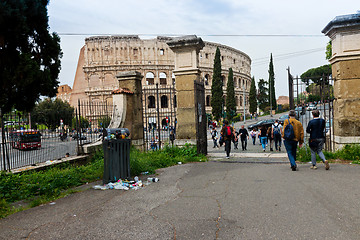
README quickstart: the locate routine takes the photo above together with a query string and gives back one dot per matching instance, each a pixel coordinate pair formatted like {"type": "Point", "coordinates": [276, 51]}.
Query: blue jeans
{"type": "Point", "coordinates": [291, 146]}
{"type": "Point", "coordinates": [263, 141]}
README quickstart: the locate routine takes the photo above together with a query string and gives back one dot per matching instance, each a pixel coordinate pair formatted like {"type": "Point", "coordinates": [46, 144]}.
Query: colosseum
{"type": "Point", "coordinates": [103, 57]}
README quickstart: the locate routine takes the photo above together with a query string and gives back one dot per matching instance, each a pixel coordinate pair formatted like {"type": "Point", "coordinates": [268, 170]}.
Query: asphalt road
{"type": "Point", "coordinates": [212, 200]}
{"type": "Point", "coordinates": [253, 195]}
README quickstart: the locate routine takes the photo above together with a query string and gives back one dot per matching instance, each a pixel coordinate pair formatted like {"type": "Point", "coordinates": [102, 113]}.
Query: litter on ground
{"type": "Point", "coordinates": [125, 184]}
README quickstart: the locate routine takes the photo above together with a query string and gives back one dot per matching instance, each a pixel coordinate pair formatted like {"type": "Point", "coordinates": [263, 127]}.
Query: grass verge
{"type": "Point", "coordinates": [36, 188]}
{"type": "Point", "coordinates": [350, 152]}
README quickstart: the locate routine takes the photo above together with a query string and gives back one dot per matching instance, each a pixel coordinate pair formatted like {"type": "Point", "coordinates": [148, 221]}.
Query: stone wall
{"type": "Point", "coordinates": [102, 58]}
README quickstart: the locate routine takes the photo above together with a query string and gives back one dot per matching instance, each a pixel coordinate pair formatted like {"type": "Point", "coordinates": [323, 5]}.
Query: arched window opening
{"type": "Point", "coordinates": [151, 100]}
{"type": "Point", "coordinates": [175, 102]}
{"type": "Point", "coordinates": [162, 78]}
{"type": "Point", "coordinates": [236, 101]}
{"type": "Point", "coordinates": [149, 78]}
{"type": "Point", "coordinates": [207, 79]}
{"type": "Point", "coordinates": [208, 100]}
{"type": "Point", "coordinates": [164, 101]}
{"type": "Point", "coordinates": [223, 80]}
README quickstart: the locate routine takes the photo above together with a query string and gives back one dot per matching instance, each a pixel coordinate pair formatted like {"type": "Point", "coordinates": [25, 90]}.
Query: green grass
{"type": "Point", "coordinates": [350, 152]}
{"type": "Point", "coordinates": [36, 188]}
{"type": "Point", "coordinates": [168, 156]}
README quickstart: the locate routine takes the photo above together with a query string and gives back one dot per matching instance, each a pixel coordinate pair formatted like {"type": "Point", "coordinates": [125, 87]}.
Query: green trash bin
{"type": "Point", "coordinates": [116, 159]}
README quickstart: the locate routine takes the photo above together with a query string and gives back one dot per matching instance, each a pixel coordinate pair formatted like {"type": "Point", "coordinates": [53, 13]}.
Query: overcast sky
{"type": "Point", "coordinates": [302, 20]}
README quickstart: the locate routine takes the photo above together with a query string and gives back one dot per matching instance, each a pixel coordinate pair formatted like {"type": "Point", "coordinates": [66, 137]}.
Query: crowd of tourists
{"type": "Point", "coordinates": [291, 133]}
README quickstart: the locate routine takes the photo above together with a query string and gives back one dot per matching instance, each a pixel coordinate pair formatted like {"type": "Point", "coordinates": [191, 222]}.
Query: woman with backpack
{"type": "Point", "coordinates": [228, 133]}
{"type": "Point", "coordinates": [277, 131]}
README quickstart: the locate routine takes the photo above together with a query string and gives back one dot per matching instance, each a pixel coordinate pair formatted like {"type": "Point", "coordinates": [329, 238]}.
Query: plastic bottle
{"type": "Point", "coordinates": [136, 178]}
{"type": "Point", "coordinates": [153, 179]}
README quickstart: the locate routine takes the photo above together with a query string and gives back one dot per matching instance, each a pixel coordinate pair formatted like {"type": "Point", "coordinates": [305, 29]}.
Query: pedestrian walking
{"type": "Point", "coordinates": [214, 136]}
{"type": "Point", "coordinates": [253, 134]}
{"type": "Point", "coordinates": [236, 140]}
{"type": "Point", "coordinates": [244, 135]}
{"type": "Point", "coordinates": [316, 129]}
{"type": "Point", "coordinates": [263, 137]}
{"type": "Point", "coordinates": [270, 137]}
{"type": "Point", "coordinates": [293, 134]}
{"type": "Point", "coordinates": [172, 137]}
{"type": "Point", "coordinates": [277, 131]}
{"type": "Point", "coordinates": [228, 133]}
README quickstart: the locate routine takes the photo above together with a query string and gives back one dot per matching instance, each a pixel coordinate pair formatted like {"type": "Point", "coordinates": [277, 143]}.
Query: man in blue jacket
{"type": "Point", "coordinates": [317, 138]}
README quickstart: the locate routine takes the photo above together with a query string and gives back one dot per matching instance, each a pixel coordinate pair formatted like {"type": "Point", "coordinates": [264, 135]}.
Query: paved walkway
{"type": "Point", "coordinates": [220, 199]}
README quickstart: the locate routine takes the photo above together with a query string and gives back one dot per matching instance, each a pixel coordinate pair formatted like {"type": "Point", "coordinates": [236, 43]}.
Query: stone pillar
{"type": "Point", "coordinates": [186, 50]}
{"type": "Point", "coordinates": [130, 88]}
{"type": "Point", "coordinates": [344, 32]}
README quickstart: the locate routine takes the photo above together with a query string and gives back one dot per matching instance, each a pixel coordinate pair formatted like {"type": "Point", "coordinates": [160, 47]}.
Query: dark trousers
{"type": "Point", "coordinates": [277, 139]}
{"type": "Point", "coordinates": [228, 147]}
{"type": "Point", "coordinates": [243, 143]}
{"type": "Point", "coordinates": [291, 147]}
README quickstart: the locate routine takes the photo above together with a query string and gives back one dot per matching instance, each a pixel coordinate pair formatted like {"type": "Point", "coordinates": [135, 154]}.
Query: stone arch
{"type": "Point", "coordinates": [150, 78]}
{"type": "Point", "coordinates": [223, 79]}
{"type": "Point", "coordinates": [162, 77]}
{"type": "Point", "coordinates": [175, 101]}
{"type": "Point", "coordinates": [151, 102]}
{"type": "Point", "coordinates": [164, 101]}
{"type": "Point", "coordinates": [94, 80]}
{"type": "Point", "coordinates": [207, 102]}
{"type": "Point", "coordinates": [207, 79]}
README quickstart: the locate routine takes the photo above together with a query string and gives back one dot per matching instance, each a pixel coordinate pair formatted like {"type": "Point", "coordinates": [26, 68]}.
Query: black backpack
{"type": "Point", "coordinates": [289, 131]}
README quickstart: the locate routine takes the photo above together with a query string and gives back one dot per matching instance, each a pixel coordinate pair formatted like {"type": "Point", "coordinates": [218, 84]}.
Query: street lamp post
{"type": "Point", "coordinates": [244, 101]}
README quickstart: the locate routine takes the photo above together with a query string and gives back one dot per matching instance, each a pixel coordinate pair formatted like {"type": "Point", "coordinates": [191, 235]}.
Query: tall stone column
{"type": "Point", "coordinates": [129, 99]}
{"type": "Point", "coordinates": [344, 32]}
{"type": "Point", "coordinates": [186, 71]}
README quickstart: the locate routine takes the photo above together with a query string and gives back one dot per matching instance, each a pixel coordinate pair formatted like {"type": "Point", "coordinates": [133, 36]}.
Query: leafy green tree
{"type": "Point", "coordinates": [49, 113]}
{"type": "Point", "coordinates": [252, 96]}
{"type": "Point", "coordinates": [104, 121]}
{"type": "Point", "coordinates": [83, 123]}
{"type": "Point", "coordinates": [272, 97]}
{"type": "Point", "coordinates": [317, 75]}
{"type": "Point", "coordinates": [217, 100]}
{"type": "Point", "coordinates": [230, 96]}
{"type": "Point", "coordinates": [263, 96]}
{"type": "Point", "coordinates": [29, 54]}
{"type": "Point", "coordinates": [328, 50]}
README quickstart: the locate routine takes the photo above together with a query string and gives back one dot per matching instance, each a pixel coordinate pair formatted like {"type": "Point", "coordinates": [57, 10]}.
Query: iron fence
{"type": "Point", "coordinates": [299, 101]}
{"type": "Point", "coordinates": [159, 115]}
{"type": "Point", "coordinates": [25, 143]}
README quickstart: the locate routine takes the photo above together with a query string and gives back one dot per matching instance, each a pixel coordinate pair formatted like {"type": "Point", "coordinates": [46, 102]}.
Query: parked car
{"type": "Point", "coordinates": [311, 107]}
{"type": "Point", "coordinates": [282, 118]}
{"type": "Point", "coordinates": [266, 122]}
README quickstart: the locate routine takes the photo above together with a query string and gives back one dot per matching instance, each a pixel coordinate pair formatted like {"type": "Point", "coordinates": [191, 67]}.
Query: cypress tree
{"type": "Point", "coordinates": [263, 96]}
{"type": "Point", "coordinates": [217, 99]}
{"type": "Point", "coordinates": [230, 97]}
{"type": "Point", "coordinates": [272, 96]}
{"type": "Point", "coordinates": [252, 96]}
